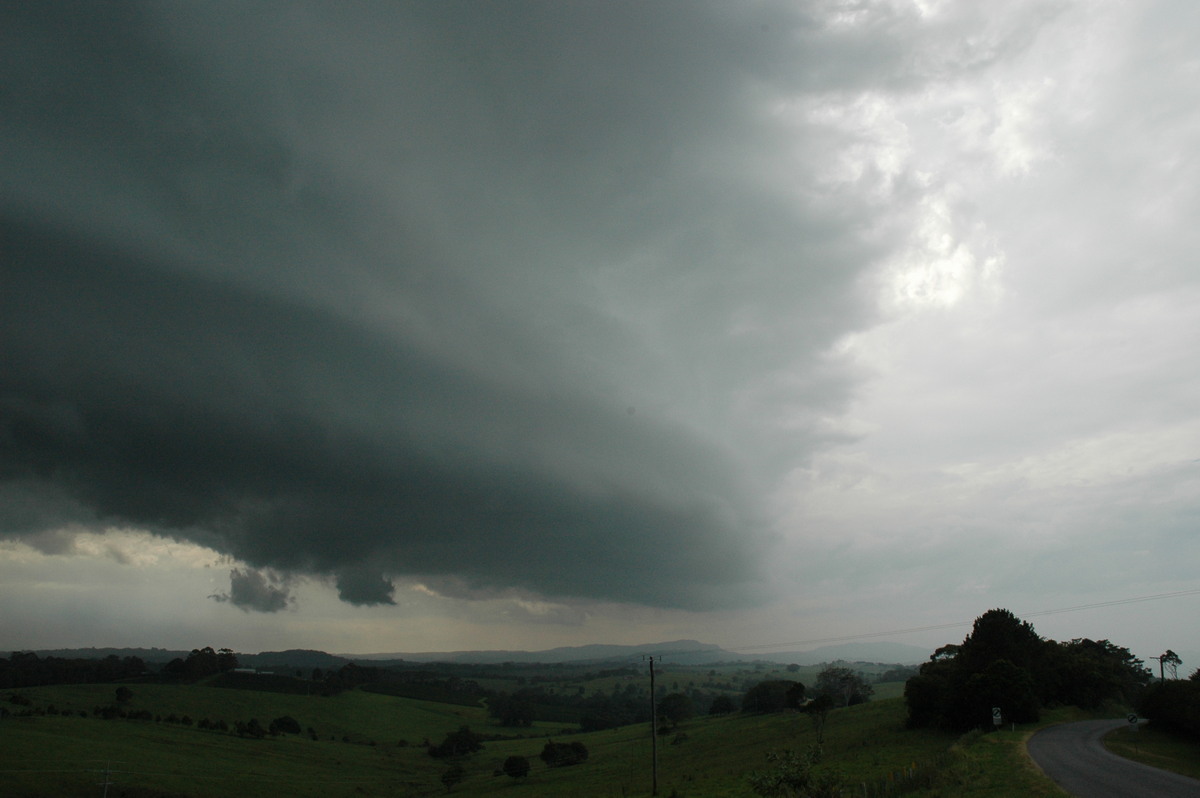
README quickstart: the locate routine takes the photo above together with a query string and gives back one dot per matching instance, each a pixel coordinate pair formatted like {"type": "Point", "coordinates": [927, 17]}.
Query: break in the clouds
{"type": "Point", "coordinates": [515, 294]}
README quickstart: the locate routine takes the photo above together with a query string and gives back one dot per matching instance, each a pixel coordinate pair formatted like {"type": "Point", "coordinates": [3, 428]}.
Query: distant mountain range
{"type": "Point", "coordinates": [679, 652]}
{"type": "Point", "coordinates": [676, 652]}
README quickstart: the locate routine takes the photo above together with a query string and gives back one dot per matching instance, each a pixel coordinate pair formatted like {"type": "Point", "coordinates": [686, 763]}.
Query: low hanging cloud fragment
{"type": "Point", "coordinates": [365, 587]}
{"type": "Point", "coordinates": [251, 590]}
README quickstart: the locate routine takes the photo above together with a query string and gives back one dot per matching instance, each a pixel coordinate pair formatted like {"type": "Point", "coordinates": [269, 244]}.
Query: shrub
{"type": "Point", "coordinates": [562, 754]}
{"type": "Point", "coordinates": [516, 766]}
{"type": "Point", "coordinates": [285, 725]}
{"type": "Point", "coordinates": [793, 774]}
{"type": "Point", "coordinates": [459, 743]}
{"type": "Point", "coordinates": [1173, 705]}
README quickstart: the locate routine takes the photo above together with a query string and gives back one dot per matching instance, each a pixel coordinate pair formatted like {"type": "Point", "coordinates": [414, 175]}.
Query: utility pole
{"type": "Point", "coordinates": [653, 733]}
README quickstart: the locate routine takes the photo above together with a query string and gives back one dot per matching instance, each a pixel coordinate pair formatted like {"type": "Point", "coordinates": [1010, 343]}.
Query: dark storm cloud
{"type": "Point", "coordinates": [364, 586]}
{"type": "Point", "coordinates": [510, 294]}
{"type": "Point", "coordinates": [251, 590]}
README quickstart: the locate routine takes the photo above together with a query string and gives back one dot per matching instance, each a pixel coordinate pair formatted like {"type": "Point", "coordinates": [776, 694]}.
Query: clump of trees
{"type": "Point", "coordinates": [843, 686]}
{"type": "Point", "coordinates": [1174, 705]}
{"type": "Point", "coordinates": [1004, 663]}
{"type": "Point", "coordinates": [511, 710]}
{"type": "Point", "coordinates": [675, 708]}
{"type": "Point", "coordinates": [773, 695]}
{"type": "Point", "coordinates": [457, 743]}
{"type": "Point", "coordinates": [557, 755]}
{"type": "Point", "coordinates": [201, 662]}
{"type": "Point", "coordinates": [284, 725]}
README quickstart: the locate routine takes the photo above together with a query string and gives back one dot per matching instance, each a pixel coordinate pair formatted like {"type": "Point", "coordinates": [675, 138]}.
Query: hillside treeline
{"type": "Point", "coordinates": [601, 710]}
{"type": "Point", "coordinates": [26, 669]}
{"type": "Point", "coordinates": [1004, 663]}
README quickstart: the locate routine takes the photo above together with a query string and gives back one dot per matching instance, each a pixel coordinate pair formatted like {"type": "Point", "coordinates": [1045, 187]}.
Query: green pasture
{"type": "Point", "coordinates": [64, 754]}
{"type": "Point", "coordinates": [359, 716]}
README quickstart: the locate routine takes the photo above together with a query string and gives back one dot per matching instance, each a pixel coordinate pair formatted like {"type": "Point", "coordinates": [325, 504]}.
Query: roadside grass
{"type": "Point", "coordinates": [991, 765]}
{"type": "Point", "coordinates": [996, 764]}
{"type": "Point", "coordinates": [1156, 748]}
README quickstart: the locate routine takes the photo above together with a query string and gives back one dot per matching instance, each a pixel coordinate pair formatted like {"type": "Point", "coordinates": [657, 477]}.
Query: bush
{"type": "Point", "coordinates": [285, 725]}
{"type": "Point", "coordinates": [794, 774]}
{"type": "Point", "coordinates": [516, 766]}
{"type": "Point", "coordinates": [459, 743]}
{"type": "Point", "coordinates": [1173, 705]}
{"type": "Point", "coordinates": [557, 755]}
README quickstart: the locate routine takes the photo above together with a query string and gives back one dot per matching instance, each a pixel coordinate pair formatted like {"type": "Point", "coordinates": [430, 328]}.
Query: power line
{"type": "Point", "coordinates": [956, 624]}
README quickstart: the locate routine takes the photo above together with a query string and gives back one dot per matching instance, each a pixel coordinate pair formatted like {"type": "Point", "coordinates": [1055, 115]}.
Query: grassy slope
{"type": "Point", "coordinates": [54, 755]}
{"type": "Point", "coordinates": [1157, 749]}
{"type": "Point", "coordinates": [360, 716]}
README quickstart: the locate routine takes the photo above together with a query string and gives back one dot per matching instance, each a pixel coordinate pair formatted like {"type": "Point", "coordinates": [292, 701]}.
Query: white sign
{"type": "Point", "coordinates": [996, 715]}
{"type": "Point", "coordinates": [1133, 721]}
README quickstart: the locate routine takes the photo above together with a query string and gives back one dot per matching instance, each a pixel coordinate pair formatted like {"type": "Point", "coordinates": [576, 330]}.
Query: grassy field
{"type": "Point", "coordinates": [1157, 749]}
{"type": "Point", "coordinates": [358, 716]}
{"type": "Point", "coordinates": [359, 751]}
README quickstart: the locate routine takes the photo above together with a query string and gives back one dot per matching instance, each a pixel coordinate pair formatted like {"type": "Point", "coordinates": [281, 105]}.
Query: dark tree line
{"type": "Point", "coordinates": [1004, 663]}
{"type": "Point", "coordinates": [1174, 705]}
{"type": "Point", "coordinates": [593, 712]}
{"type": "Point", "coordinates": [26, 669]}
{"type": "Point", "coordinates": [773, 695]}
{"type": "Point", "coordinates": [200, 663]}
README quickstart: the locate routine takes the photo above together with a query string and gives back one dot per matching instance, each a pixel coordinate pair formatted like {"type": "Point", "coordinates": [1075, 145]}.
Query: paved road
{"type": "Point", "coordinates": [1074, 757]}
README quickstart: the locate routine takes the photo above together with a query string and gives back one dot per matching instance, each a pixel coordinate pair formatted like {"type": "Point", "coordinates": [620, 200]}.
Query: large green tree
{"type": "Point", "coordinates": [1004, 663]}
{"type": "Point", "coordinates": [844, 686]}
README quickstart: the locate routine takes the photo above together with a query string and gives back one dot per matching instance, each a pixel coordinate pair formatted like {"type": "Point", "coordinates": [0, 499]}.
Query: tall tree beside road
{"type": "Point", "coordinates": [1004, 663]}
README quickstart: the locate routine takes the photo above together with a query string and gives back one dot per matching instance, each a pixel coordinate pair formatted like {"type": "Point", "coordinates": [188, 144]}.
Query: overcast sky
{"type": "Point", "coordinates": [411, 326]}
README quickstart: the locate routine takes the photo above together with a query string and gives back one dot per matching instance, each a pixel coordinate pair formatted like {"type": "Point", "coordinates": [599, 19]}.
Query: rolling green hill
{"type": "Point", "coordinates": [370, 745]}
